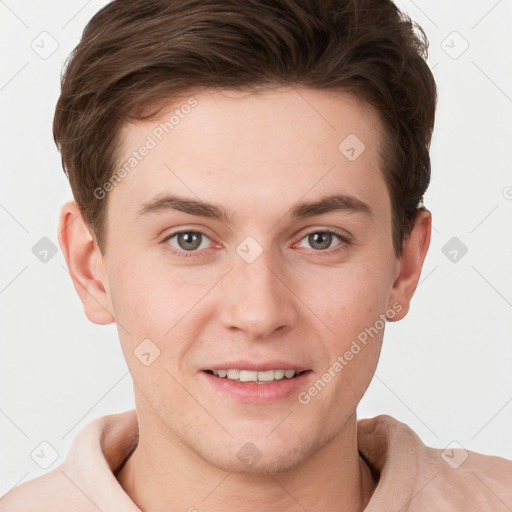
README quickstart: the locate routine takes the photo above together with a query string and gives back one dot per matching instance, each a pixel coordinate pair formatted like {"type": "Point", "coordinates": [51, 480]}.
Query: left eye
{"type": "Point", "coordinates": [188, 240]}
{"type": "Point", "coordinates": [321, 240]}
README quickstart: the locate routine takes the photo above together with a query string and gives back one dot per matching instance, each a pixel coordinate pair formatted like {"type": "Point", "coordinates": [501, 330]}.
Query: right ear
{"type": "Point", "coordinates": [85, 264]}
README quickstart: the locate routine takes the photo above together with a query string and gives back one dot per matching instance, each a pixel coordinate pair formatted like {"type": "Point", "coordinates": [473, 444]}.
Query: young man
{"type": "Point", "coordinates": [248, 179]}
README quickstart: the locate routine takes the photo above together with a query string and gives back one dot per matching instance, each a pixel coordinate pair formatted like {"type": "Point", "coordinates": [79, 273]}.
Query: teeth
{"type": "Point", "coordinates": [266, 375]}
{"type": "Point", "coordinates": [254, 376]}
{"type": "Point", "coordinates": [233, 374]}
{"type": "Point", "coordinates": [278, 374]}
{"type": "Point", "coordinates": [248, 376]}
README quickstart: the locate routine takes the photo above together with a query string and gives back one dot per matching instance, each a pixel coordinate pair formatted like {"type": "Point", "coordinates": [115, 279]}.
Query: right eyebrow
{"type": "Point", "coordinates": [160, 204]}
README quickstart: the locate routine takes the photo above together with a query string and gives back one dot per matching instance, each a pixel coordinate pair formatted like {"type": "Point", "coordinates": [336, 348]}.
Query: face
{"type": "Point", "coordinates": [253, 234]}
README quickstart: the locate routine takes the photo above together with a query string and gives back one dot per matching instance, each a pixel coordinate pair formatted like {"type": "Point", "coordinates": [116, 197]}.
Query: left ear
{"type": "Point", "coordinates": [415, 249]}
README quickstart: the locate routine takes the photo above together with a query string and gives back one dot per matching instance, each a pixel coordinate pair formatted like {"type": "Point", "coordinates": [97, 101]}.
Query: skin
{"type": "Point", "coordinates": [257, 156]}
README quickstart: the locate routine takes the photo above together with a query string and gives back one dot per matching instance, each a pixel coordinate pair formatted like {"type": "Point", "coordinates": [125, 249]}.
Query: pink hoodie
{"type": "Point", "coordinates": [412, 476]}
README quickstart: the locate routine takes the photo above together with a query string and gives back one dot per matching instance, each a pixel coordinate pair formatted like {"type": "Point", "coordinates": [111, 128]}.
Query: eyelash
{"type": "Point", "coordinates": [345, 242]}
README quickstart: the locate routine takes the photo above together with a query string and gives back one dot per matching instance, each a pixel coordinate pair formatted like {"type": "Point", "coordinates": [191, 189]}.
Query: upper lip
{"type": "Point", "coordinates": [257, 366]}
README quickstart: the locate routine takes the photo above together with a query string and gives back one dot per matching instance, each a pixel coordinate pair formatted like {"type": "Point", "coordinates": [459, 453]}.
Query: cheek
{"type": "Point", "coordinates": [352, 349]}
{"type": "Point", "coordinates": [352, 299]}
{"type": "Point", "coordinates": [164, 305]}
{"type": "Point", "coordinates": [150, 298]}
{"type": "Point", "coordinates": [353, 305]}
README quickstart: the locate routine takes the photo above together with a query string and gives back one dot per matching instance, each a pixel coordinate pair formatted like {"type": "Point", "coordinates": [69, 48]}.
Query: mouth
{"type": "Point", "coordinates": [269, 376]}
{"type": "Point", "coordinates": [256, 382]}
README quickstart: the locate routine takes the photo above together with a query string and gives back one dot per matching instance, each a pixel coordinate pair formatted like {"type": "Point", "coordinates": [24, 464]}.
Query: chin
{"type": "Point", "coordinates": [267, 463]}
{"type": "Point", "coordinates": [264, 456]}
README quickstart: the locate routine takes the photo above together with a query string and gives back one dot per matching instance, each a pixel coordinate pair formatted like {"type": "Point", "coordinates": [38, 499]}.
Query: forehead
{"type": "Point", "coordinates": [254, 117]}
{"type": "Point", "coordinates": [287, 141]}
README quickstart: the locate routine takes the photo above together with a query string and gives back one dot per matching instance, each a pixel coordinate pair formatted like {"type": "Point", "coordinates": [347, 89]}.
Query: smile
{"type": "Point", "coordinates": [259, 377]}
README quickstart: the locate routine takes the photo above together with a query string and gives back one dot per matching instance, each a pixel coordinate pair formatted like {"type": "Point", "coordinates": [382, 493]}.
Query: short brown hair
{"type": "Point", "coordinates": [137, 54]}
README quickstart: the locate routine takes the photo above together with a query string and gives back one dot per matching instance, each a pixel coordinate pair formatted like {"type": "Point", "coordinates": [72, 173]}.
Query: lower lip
{"type": "Point", "coordinates": [249, 392]}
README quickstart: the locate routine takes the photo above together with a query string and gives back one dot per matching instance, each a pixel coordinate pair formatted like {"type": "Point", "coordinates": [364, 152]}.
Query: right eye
{"type": "Point", "coordinates": [187, 241]}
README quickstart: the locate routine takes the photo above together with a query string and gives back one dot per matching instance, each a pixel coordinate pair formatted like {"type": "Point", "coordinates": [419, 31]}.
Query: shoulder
{"type": "Point", "coordinates": [52, 491]}
{"type": "Point", "coordinates": [84, 481]}
{"type": "Point", "coordinates": [470, 479]}
{"type": "Point", "coordinates": [443, 479]}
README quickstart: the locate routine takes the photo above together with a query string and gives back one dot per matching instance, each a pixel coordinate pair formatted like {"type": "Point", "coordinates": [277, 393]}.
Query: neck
{"type": "Point", "coordinates": [162, 474]}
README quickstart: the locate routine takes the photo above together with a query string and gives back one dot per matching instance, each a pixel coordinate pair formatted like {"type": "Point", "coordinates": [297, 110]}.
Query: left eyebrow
{"type": "Point", "coordinates": [199, 208]}
{"type": "Point", "coordinates": [332, 203]}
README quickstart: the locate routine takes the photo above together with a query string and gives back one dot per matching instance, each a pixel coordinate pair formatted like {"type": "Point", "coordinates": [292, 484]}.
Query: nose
{"type": "Point", "coordinates": [257, 299]}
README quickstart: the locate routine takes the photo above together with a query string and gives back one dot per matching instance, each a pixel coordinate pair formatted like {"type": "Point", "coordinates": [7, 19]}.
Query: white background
{"type": "Point", "coordinates": [445, 370]}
